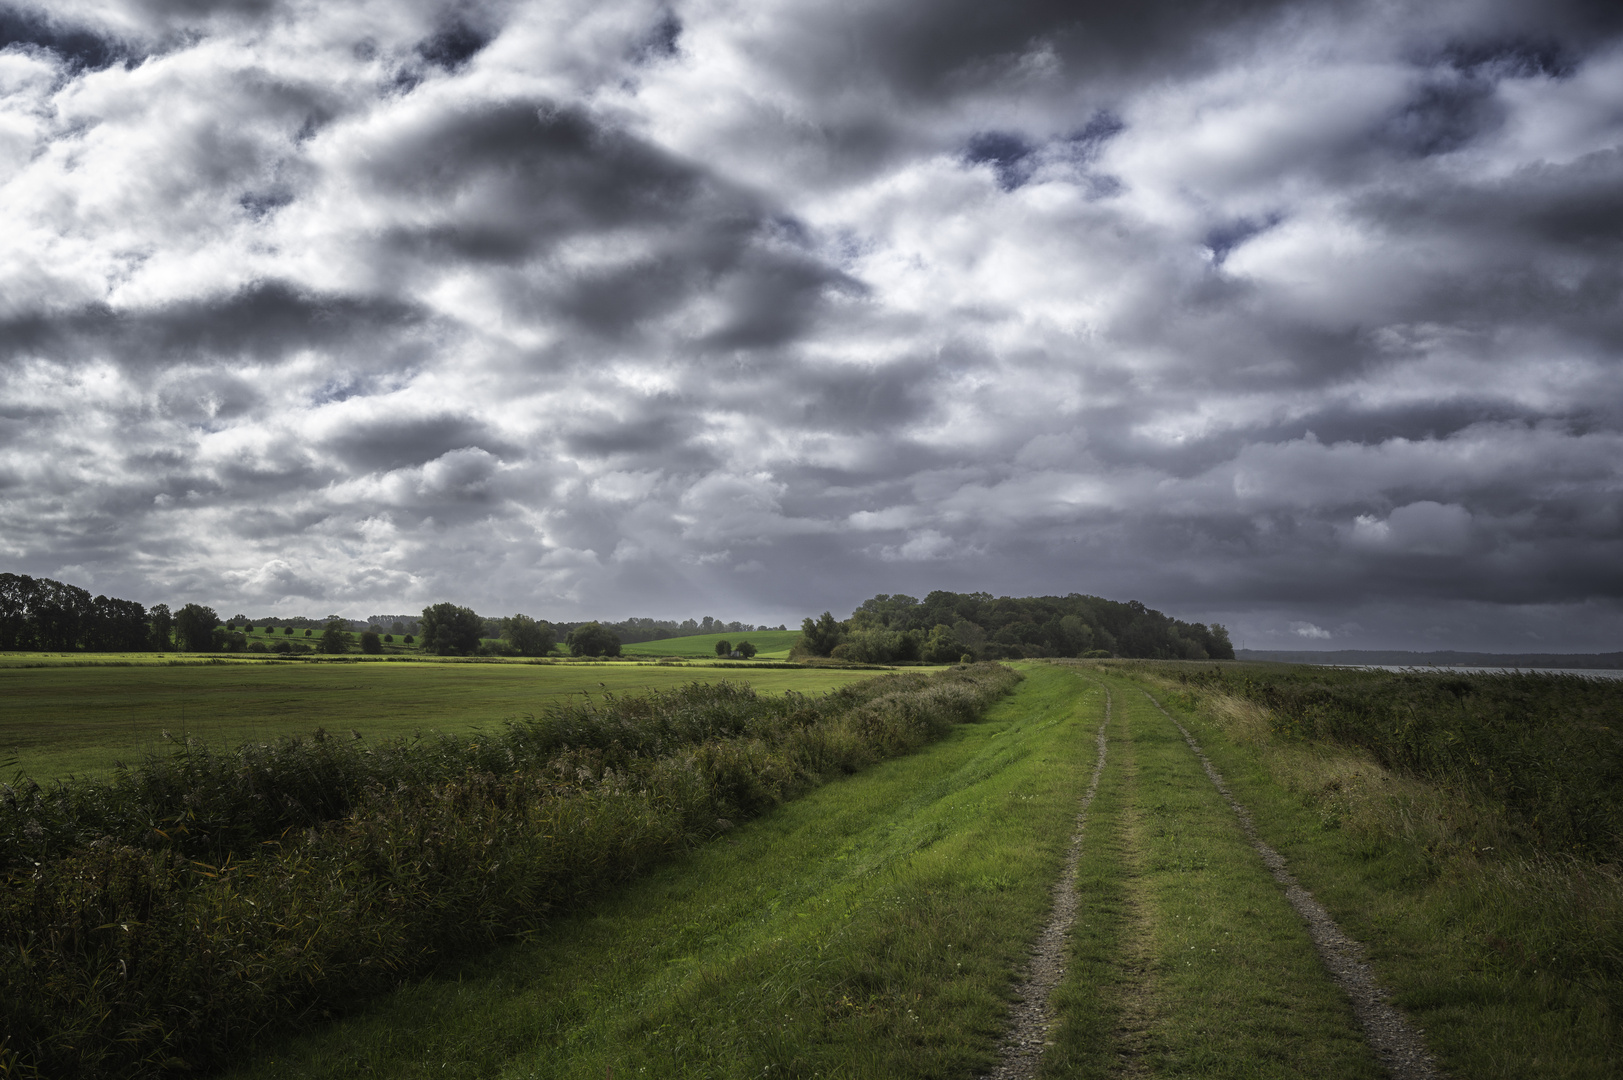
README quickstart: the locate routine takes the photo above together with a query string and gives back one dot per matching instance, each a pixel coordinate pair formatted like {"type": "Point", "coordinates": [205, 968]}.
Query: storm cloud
{"type": "Point", "coordinates": [1306, 318]}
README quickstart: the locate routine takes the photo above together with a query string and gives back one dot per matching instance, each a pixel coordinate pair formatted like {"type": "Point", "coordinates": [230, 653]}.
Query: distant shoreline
{"type": "Point", "coordinates": [1447, 658]}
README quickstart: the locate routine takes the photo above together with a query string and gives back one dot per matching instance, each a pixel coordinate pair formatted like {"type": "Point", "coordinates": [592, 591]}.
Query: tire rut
{"type": "Point", "coordinates": [1397, 1044]}
{"type": "Point", "coordinates": [1031, 1014]}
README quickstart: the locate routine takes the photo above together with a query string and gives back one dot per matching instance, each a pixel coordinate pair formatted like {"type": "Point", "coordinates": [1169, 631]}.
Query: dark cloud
{"type": "Point", "coordinates": [265, 321]}
{"type": "Point", "coordinates": [381, 443]}
{"type": "Point", "coordinates": [1302, 318]}
{"type": "Point", "coordinates": [456, 41]}
{"type": "Point", "coordinates": [79, 46]}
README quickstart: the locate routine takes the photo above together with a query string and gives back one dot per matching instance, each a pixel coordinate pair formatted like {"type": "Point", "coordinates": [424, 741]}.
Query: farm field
{"type": "Point", "coordinates": [769, 644]}
{"type": "Point", "coordinates": [73, 716]}
{"type": "Point", "coordinates": [880, 924]}
{"type": "Point", "coordinates": [875, 928]}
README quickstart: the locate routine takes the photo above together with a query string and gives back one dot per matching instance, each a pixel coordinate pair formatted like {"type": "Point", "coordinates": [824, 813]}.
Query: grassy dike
{"type": "Point", "coordinates": [1460, 929]}
{"type": "Point", "coordinates": [1186, 959]}
{"type": "Point", "coordinates": [869, 929]}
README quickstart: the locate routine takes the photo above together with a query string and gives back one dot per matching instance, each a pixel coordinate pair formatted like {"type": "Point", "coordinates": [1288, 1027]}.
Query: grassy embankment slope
{"type": "Point", "coordinates": [769, 644]}
{"type": "Point", "coordinates": [57, 720]}
{"type": "Point", "coordinates": [871, 929]}
{"type": "Point", "coordinates": [1482, 875]}
{"type": "Point", "coordinates": [164, 919]}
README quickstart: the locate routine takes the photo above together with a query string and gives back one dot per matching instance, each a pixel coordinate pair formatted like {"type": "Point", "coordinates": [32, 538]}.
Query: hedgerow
{"type": "Point", "coordinates": [163, 920]}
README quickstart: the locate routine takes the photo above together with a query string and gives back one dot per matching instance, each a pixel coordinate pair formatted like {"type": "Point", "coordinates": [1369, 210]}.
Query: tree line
{"type": "Point", "coordinates": [45, 615]}
{"type": "Point", "coordinates": [945, 627]}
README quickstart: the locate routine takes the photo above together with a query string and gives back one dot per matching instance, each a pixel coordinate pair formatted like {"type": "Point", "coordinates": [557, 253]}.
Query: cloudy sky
{"type": "Point", "coordinates": [1303, 318]}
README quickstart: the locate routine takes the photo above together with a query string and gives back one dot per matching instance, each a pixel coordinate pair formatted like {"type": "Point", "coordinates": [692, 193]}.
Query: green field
{"type": "Point", "coordinates": [65, 714]}
{"type": "Point", "coordinates": [874, 929]}
{"type": "Point", "coordinates": [769, 644]}
{"type": "Point", "coordinates": [877, 926]}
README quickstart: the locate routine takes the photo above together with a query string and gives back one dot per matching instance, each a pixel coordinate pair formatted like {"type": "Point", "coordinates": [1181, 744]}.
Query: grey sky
{"type": "Point", "coordinates": [1304, 318]}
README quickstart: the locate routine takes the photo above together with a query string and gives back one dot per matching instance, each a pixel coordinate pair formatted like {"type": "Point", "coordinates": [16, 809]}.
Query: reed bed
{"type": "Point", "coordinates": [162, 920]}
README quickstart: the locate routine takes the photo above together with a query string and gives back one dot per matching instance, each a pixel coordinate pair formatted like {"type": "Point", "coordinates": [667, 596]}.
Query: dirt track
{"type": "Point", "coordinates": [1396, 1044]}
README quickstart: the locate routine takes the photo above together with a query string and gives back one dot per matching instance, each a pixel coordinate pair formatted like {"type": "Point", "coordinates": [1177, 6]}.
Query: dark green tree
{"type": "Point", "coordinates": [334, 639]}
{"type": "Point", "coordinates": [724, 648]}
{"type": "Point", "coordinates": [942, 646]}
{"type": "Point", "coordinates": [162, 624]}
{"type": "Point", "coordinates": [194, 627]}
{"type": "Point", "coordinates": [819, 638]}
{"type": "Point", "coordinates": [745, 649]}
{"type": "Point", "coordinates": [530, 637]}
{"type": "Point", "coordinates": [448, 630]}
{"type": "Point", "coordinates": [371, 642]}
{"type": "Point", "coordinates": [593, 639]}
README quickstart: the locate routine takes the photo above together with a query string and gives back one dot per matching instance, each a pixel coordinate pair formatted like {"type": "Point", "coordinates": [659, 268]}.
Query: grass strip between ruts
{"type": "Point", "coordinates": [870, 929]}
{"type": "Point", "coordinates": [1187, 960]}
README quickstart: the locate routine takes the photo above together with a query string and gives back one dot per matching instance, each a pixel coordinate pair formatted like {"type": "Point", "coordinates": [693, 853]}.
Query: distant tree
{"type": "Point", "coordinates": [248, 629]}
{"type": "Point", "coordinates": [745, 649]}
{"type": "Point", "coordinates": [334, 639]}
{"type": "Point", "coordinates": [593, 639]}
{"type": "Point", "coordinates": [724, 648]}
{"type": "Point", "coordinates": [194, 627]}
{"type": "Point", "coordinates": [288, 630]}
{"type": "Point", "coordinates": [257, 646]}
{"type": "Point", "coordinates": [942, 646]}
{"type": "Point", "coordinates": [450, 630]}
{"type": "Point", "coordinates": [398, 627]}
{"type": "Point", "coordinates": [409, 639]}
{"type": "Point", "coordinates": [530, 637]}
{"type": "Point", "coordinates": [236, 641]}
{"type": "Point", "coordinates": [371, 642]}
{"type": "Point", "coordinates": [819, 638]}
{"type": "Point", "coordinates": [308, 631]}
{"type": "Point", "coordinates": [389, 638]}
{"type": "Point", "coordinates": [282, 647]}
{"type": "Point", "coordinates": [162, 624]}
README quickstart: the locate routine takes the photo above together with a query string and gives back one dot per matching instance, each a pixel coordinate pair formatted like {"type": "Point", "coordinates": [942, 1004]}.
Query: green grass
{"type": "Point", "coordinates": [64, 718]}
{"type": "Point", "coordinates": [867, 930]}
{"type": "Point", "coordinates": [770, 644]}
{"type": "Point", "coordinates": [1506, 957]}
{"type": "Point", "coordinates": [1187, 960]}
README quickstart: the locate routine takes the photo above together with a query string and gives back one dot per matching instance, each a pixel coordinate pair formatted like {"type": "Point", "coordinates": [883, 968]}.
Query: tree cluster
{"type": "Point", "coordinates": [593, 639]}
{"type": "Point", "coordinates": [945, 626]}
{"type": "Point", "coordinates": [42, 614]}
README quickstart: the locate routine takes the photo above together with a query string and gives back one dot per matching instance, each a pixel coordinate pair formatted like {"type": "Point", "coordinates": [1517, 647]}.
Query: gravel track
{"type": "Point", "coordinates": [1031, 1014]}
{"type": "Point", "coordinates": [1397, 1044]}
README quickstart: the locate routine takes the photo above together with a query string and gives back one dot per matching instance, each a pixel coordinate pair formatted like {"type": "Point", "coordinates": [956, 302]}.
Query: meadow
{"type": "Point", "coordinates": [769, 644]}
{"type": "Point", "coordinates": [732, 884]}
{"type": "Point", "coordinates": [80, 714]}
{"type": "Point", "coordinates": [160, 920]}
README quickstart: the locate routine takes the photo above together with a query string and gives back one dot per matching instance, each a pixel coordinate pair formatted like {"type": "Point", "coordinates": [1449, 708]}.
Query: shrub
{"type": "Point", "coordinates": [370, 642]}
{"type": "Point", "coordinates": [158, 921]}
